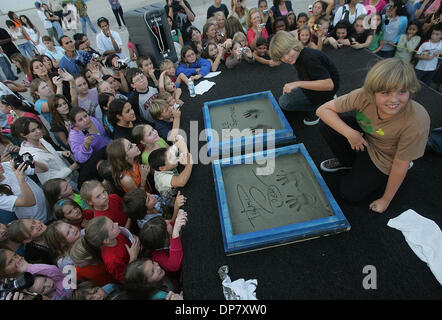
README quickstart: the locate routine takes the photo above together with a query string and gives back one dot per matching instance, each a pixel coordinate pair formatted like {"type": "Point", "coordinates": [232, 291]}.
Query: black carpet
{"type": "Point", "coordinates": [324, 268]}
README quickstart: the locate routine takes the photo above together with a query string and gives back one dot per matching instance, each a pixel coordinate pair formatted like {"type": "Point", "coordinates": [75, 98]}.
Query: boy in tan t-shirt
{"type": "Point", "coordinates": [389, 131]}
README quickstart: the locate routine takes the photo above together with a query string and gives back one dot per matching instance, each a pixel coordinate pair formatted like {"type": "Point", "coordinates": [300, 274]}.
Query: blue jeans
{"type": "Point", "coordinates": [6, 67]}
{"type": "Point", "coordinates": [57, 26]}
{"type": "Point", "coordinates": [87, 20]}
{"type": "Point", "coordinates": [7, 216]}
{"type": "Point", "coordinates": [26, 49]}
{"type": "Point", "coordinates": [296, 100]}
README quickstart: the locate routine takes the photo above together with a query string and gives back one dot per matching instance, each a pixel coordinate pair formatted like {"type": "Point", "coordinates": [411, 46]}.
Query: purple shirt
{"type": "Point", "coordinates": [76, 138]}
{"type": "Point", "coordinates": [55, 274]}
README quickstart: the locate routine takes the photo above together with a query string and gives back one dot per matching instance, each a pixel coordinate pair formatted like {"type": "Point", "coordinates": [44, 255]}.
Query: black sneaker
{"type": "Point", "coordinates": [332, 165]}
{"type": "Point", "coordinates": [311, 119]}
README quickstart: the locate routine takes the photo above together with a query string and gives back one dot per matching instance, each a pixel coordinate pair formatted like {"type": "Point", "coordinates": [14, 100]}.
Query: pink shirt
{"type": "Point", "coordinates": [381, 4]}
{"type": "Point", "coordinates": [251, 34]}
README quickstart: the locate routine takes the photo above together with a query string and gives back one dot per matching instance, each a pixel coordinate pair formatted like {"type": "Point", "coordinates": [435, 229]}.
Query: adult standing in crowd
{"type": "Point", "coordinates": [56, 8]}
{"type": "Point", "coordinates": [6, 43]}
{"type": "Point", "coordinates": [318, 76]}
{"type": "Point", "coordinates": [118, 11]}
{"type": "Point", "coordinates": [73, 61]}
{"type": "Point", "coordinates": [46, 23]}
{"type": "Point", "coordinates": [55, 20]}
{"type": "Point", "coordinates": [182, 15]}
{"type": "Point", "coordinates": [108, 41]}
{"type": "Point", "coordinates": [82, 12]}
{"type": "Point", "coordinates": [281, 8]}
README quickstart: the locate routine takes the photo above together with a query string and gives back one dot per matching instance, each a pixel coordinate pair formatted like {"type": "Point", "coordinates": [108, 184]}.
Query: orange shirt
{"type": "Point", "coordinates": [135, 174]}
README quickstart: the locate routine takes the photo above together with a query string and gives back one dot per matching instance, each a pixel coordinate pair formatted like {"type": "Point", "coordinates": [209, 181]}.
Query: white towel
{"type": "Point", "coordinates": [212, 74]}
{"type": "Point", "coordinates": [238, 289]}
{"type": "Point", "coordinates": [423, 236]}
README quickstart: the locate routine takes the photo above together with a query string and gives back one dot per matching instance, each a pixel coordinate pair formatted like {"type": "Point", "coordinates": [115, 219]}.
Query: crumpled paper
{"type": "Point", "coordinates": [238, 289]}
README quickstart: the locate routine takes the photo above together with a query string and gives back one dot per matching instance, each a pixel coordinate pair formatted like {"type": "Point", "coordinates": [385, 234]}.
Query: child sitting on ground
{"type": "Point", "coordinates": [103, 204]}
{"type": "Point", "coordinates": [167, 120]}
{"type": "Point", "coordinates": [142, 206]}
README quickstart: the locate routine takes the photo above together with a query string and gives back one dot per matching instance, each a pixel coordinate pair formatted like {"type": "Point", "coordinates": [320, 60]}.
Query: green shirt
{"type": "Point", "coordinates": [377, 37]}
{"type": "Point", "coordinates": [145, 155]}
{"type": "Point", "coordinates": [80, 201]}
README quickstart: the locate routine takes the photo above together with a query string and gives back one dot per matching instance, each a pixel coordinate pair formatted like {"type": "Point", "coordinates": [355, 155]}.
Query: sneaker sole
{"type": "Point", "coordinates": [323, 168]}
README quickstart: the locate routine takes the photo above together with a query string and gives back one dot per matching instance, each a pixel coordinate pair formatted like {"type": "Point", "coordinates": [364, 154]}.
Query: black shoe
{"type": "Point", "coordinates": [311, 119]}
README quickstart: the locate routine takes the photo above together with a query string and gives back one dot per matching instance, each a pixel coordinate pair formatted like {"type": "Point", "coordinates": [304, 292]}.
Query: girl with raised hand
{"type": "Point", "coordinates": [126, 172]}
{"type": "Point", "coordinates": [34, 34]}
{"type": "Point", "coordinates": [21, 194]}
{"type": "Point", "coordinates": [30, 131]}
{"type": "Point", "coordinates": [408, 42]}
{"type": "Point", "coordinates": [30, 233]}
{"type": "Point", "coordinates": [161, 241]}
{"type": "Point", "coordinates": [390, 131]}
{"type": "Point", "coordinates": [214, 53]}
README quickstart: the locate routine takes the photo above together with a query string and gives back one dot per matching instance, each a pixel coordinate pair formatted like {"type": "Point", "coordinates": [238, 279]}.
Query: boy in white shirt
{"type": "Point", "coordinates": [428, 55]}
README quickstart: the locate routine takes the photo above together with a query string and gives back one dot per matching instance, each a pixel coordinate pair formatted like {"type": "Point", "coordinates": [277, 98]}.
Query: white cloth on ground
{"type": "Point", "coordinates": [423, 236]}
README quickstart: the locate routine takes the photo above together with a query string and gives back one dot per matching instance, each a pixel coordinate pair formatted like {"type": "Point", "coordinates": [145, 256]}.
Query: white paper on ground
{"type": "Point", "coordinates": [203, 86]}
{"type": "Point", "coordinates": [212, 74]}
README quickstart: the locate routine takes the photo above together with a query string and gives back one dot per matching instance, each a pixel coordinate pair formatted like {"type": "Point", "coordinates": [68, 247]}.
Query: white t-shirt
{"type": "Point", "coordinates": [430, 48]}
{"type": "Point", "coordinates": [163, 182]}
{"type": "Point", "coordinates": [339, 15]}
{"type": "Point", "coordinates": [104, 43]}
{"type": "Point", "coordinates": [46, 23]}
{"type": "Point", "coordinates": [38, 211]}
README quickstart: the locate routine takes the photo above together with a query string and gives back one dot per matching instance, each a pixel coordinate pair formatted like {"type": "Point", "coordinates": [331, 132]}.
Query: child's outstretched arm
{"type": "Point", "coordinates": [180, 200]}
{"type": "Point", "coordinates": [161, 82]}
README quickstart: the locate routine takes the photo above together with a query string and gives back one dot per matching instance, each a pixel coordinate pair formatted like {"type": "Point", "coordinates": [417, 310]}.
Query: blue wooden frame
{"type": "Point", "coordinates": [284, 234]}
{"type": "Point", "coordinates": [278, 136]}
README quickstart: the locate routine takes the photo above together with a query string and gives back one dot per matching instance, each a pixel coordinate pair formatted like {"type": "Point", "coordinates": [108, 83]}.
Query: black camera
{"type": "Point", "coordinates": [24, 281]}
{"type": "Point", "coordinates": [122, 64]}
{"type": "Point", "coordinates": [26, 157]}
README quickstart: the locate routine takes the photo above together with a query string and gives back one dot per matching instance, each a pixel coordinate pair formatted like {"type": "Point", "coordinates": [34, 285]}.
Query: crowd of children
{"type": "Point", "coordinates": [92, 168]}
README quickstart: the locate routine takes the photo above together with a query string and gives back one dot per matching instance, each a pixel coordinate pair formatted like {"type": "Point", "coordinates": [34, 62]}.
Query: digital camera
{"type": "Point", "coordinates": [243, 49]}
{"type": "Point", "coordinates": [122, 63]}
{"type": "Point", "coordinates": [26, 157]}
{"type": "Point", "coordinates": [24, 281]}
{"type": "Point", "coordinates": [265, 11]}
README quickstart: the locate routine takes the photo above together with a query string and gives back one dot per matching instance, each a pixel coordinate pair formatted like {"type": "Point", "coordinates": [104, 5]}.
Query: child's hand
{"type": "Point", "coordinates": [174, 296]}
{"type": "Point", "coordinates": [180, 222]}
{"type": "Point", "coordinates": [274, 63]}
{"type": "Point", "coordinates": [180, 200]}
{"type": "Point", "coordinates": [134, 250]}
{"type": "Point", "coordinates": [356, 140]}
{"type": "Point", "coordinates": [379, 205]}
{"type": "Point", "coordinates": [176, 113]}
{"type": "Point", "coordinates": [144, 171]}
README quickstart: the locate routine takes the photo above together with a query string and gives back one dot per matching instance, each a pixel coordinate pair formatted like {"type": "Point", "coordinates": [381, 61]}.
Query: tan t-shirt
{"type": "Point", "coordinates": [403, 136]}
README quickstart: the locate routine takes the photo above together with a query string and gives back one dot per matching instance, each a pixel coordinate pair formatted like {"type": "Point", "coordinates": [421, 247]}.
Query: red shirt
{"type": "Point", "coordinates": [251, 35]}
{"type": "Point", "coordinates": [87, 215]}
{"type": "Point", "coordinates": [114, 210]}
{"type": "Point", "coordinates": [170, 259]}
{"type": "Point", "coordinates": [96, 273]}
{"type": "Point", "coordinates": [116, 258]}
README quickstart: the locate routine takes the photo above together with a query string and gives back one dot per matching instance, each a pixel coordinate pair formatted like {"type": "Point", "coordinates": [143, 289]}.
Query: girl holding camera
{"type": "Point", "coordinates": [33, 143]}
{"type": "Point", "coordinates": [256, 29]}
